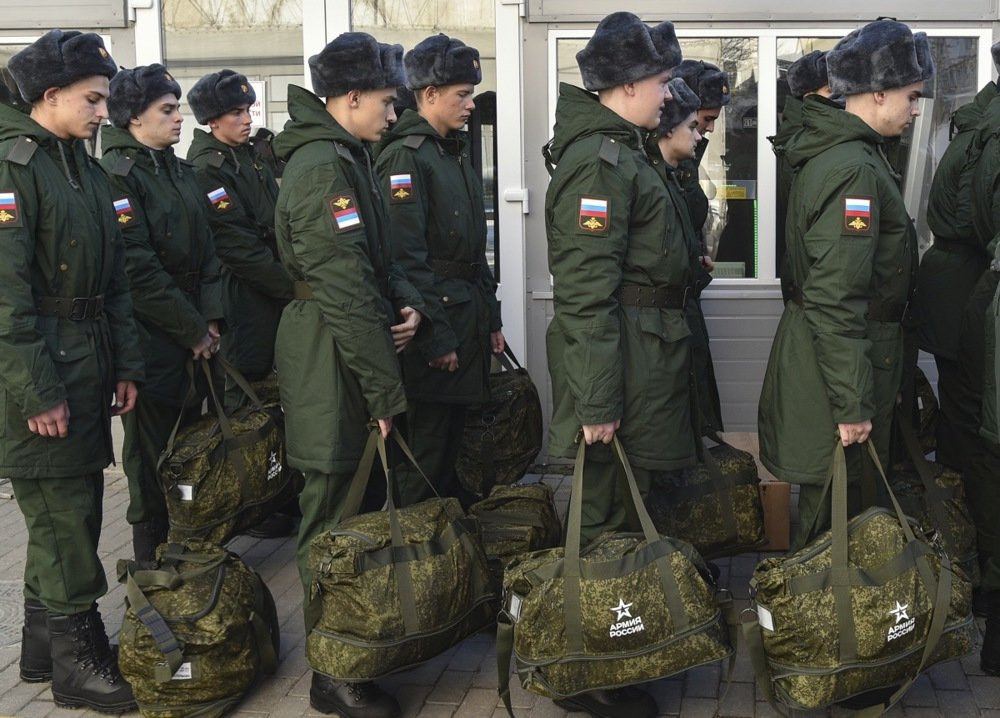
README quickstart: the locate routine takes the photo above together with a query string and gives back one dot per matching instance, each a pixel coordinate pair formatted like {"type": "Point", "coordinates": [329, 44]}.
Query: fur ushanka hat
{"type": "Point", "coordinates": [808, 74]}
{"type": "Point", "coordinates": [219, 92]}
{"type": "Point", "coordinates": [441, 60]}
{"type": "Point", "coordinates": [356, 61]}
{"type": "Point", "coordinates": [995, 52]}
{"type": "Point", "coordinates": [678, 109]}
{"type": "Point", "coordinates": [709, 82]}
{"type": "Point", "coordinates": [58, 59]}
{"type": "Point", "coordinates": [132, 91]}
{"type": "Point", "coordinates": [624, 49]}
{"type": "Point", "coordinates": [882, 55]}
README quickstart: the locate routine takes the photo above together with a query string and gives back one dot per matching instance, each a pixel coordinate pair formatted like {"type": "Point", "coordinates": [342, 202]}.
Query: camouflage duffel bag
{"type": "Point", "coordinates": [862, 609]}
{"type": "Point", "coordinates": [715, 506]}
{"type": "Point", "coordinates": [396, 587]}
{"type": "Point", "coordinates": [503, 436]}
{"type": "Point", "coordinates": [628, 608]}
{"type": "Point", "coordinates": [514, 521]}
{"type": "Point", "coordinates": [199, 628]}
{"type": "Point", "coordinates": [224, 474]}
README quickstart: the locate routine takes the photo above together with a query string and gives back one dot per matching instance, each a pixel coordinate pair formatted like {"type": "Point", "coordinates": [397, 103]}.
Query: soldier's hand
{"type": "Point", "coordinates": [707, 263]}
{"type": "Point", "coordinates": [213, 331]}
{"type": "Point", "coordinates": [402, 334]}
{"type": "Point", "coordinates": [446, 362]}
{"type": "Point", "coordinates": [497, 342]}
{"type": "Point", "coordinates": [854, 433]}
{"type": "Point", "coordinates": [125, 396]}
{"type": "Point", "coordinates": [203, 349]}
{"type": "Point", "coordinates": [604, 433]}
{"type": "Point", "coordinates": [385, 426]}
{"type": "Point", "coordinates": [52, 422]}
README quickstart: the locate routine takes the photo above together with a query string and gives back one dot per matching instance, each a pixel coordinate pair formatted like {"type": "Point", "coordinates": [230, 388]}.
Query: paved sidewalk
{"type": "Point", "coordinates": [458, 684]}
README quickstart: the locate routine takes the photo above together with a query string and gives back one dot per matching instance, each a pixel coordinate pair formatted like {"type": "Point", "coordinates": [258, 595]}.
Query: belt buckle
{"type": "Point", "coordinates": [78, 309]}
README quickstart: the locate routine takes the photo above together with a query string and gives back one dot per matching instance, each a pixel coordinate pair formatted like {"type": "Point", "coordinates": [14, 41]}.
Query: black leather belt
{"type": "Point", "coordinates": [877, 311]}
{"type": "Point", "coordinates": [455, 270]}
{"type": "Point", "coordinates": [73, 308]}
{"type": "Point", "coordinates": [636, 295]}
{"type": "Point", "coordinates": [188, 281]}
{"type": "Point", "coordinates": [301, 290]}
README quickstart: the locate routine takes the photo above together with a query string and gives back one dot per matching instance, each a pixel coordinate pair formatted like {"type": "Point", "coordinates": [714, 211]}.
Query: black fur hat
{"type": "Point", "coordinates": [677, 109]}
{"type": "Point", "coordinates": [995, 51]}
{"type": "Point", "coordinates": [219, 92]}
{"type": "Point", "coordinates": [709, 82]}
{"type": "Point", "coordinates": [441, 60]}
{"type": "Point", "coordinates": [882, 55]}
{"type": "Point", "coordinates": [57, 59]}
{"type": "Point", "coordinates": [808, 73]}
{"type": "Point", "coordinates": [624, 49]}
{"type": "Point", "coordinates": [132, 91]}
{"type": "Point", "coordinates": [356, 61]}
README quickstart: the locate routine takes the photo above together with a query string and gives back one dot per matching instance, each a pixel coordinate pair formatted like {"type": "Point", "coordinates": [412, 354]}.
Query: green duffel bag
{"type": "Point", "coordinates": [628, 608]}
{"type": "Point", "coordinates": [862, 609]}
{"type": "Point", "coordinates": [224, 474]}
{"type": "Point", "coordinates": [516, 520]}
{"type": "Point", "coordinates": [715, 506]}
{"type": "Point", "coordinates": [199, 628]}
{"type": "Point", "coordinates": [396, 587]}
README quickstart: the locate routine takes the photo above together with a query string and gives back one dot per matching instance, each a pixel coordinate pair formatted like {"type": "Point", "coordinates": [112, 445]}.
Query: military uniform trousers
{"type": "Point", "coordinates": [605, 494]}
{"type": "Point", "coordinates": [702, 368]}
{"type": "Point", "coordinates": [434, 433]}
{"type": "Point", "coordinates": [63, 517]}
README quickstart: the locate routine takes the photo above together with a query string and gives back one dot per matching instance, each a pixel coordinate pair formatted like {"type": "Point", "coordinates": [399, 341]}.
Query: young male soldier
{"type": "Point", "coordinates": [438, 237]}
{"type": "Point", "coordinates": [353, 309]}
{"type": "Point", "coordinates": [67, 347]}
{"type": "Point", "coordinates": [951, 266]}
{"type": "Point", "coordinates": [837, 359]}
{"type": "Point", "coordinates": [618, 344]}
{"type": "Point", "coordinates": [173, 274]}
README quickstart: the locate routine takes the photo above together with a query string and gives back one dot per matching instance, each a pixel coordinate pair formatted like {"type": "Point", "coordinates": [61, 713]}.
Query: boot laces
{"type": "Point", "coordinates": [93, 649]}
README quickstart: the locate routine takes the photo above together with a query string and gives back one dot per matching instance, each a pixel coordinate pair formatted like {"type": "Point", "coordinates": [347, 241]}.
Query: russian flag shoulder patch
{"type": "Point", "coordinates": [220, 200]}
{"type": "Point", "coordinates": [400, 188]}
{"type": "Point", "coordinates": [595, 215]}
{"type": "Point", "coordinates": [344, 211]}
{"type": "Point", "coordinates": [858, 215]}
{"type": "Point", "coordinates": [123, 211]}
{"type": "Point", "coordinates": [10, 213]}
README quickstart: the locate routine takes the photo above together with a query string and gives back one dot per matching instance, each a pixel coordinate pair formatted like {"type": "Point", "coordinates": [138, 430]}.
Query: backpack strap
{"type": "Point", "coordinates": [159, 631]}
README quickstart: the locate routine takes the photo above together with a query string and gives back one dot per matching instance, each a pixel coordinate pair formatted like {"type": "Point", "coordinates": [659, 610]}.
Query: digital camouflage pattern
{"type": "Point", "coordinates": [891, 615]}
{"type": "Point", "coordinates": [629, 632]}
{"type": "Point", "coordinates": [927, 411]}
{"type": "Point", "coordinates": [719, 514]}
{"type": "Point", "coordinates": [361, 602]}
{"type": "Point", "coordinates": [221, 618]}
{"type": "Point", "coordinates": [516, 520]}
{"type": "Point", "coordinates": [503, 436]}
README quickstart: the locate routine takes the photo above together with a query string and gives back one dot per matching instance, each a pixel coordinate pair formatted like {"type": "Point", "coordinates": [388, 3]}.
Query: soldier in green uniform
{"type": "Point", "coordinates": [353, 308]}
{"type": "Point", "coordinates": [837, 360]}
{"type": "Point", "coordinates": [438, 236]}
{"type": "Point", "coordinates": [67, 350]}
{"type": "Point", "coordinates": [173, 274]}
{"type": "Point", "coordinates": [618, 347]}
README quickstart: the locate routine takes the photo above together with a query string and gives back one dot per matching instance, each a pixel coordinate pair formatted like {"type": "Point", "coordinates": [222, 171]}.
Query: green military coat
{"type": "Point", "coordinates": [337, 365]}
{"type": "Point", "coordinates": [851, 258]}
{"type": "Point", "coordinates": [436, 213]}
{"type": "Point", "coordinates": [950, 267]}
{"type": "Point", "coordinates": [610, 222]}
{"type": "Point", "coordinates": [59, 239]}
{"type": "Point", "coordinates": [255, 285]}
{"type": "Point", "coordinates": [991, 384]}
{"type": "Point", "coordinates": [173, 272]}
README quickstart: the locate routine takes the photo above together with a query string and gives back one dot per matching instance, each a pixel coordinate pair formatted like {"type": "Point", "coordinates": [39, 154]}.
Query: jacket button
{"type": "Point", "coordinates": [72, 243]}
{"type": "Point", "coordinates": [888, 361]}
{"type": "Point", "coordinates": [63, 267]}
{"type": "Point", "coordinates": [456, 212]}
{"type": "Point", "coordinates": [445, 299]}
{"type": "Point", "coordinates": [62, 352]}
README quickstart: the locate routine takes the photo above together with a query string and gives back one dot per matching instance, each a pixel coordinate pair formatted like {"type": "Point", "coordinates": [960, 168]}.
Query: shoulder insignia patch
{"type": "Point", "coordinates": [220, 200]}
{"type": "Point", "coordinates": [400, 188]}
{"type": "Point", "coordinates": [595, 215]}
{"type": "Point", "coordinates": [124, 211]}
{"type": "Point", "coordinates": [858, 216]}
{"type": "Point", "coordinates": [10, 215]}
{"type": "Point", "coordinates": [344, 211]}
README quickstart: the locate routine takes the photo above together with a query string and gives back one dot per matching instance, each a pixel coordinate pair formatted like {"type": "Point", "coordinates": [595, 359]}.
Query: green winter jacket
{"type": "Point", "coordinates": [950, 267]}
{"type": "Point", "coordinates": [791, 122]}
{"type": "Point", "coordinates": [837, 354]}
{"type": "Point", "coordinates": [611, 223]}
{"type": "Point", "coordinates": [172, 269]}
{"type": "Point", "coordinates": [991, 380]}
{"type": "Point", "coordinates": [436, 214]}
{"type": "Point", "coordinates": [337, 366]}
{"type": "Point", "coordinates": [255, 285]}
{"type": "Point", "coordinates": [697, 207]}
{"type": "Point", "coordinates": [59, 239]}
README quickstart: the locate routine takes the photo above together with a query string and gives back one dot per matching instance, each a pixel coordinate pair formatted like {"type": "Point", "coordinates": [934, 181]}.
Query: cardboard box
{"type": "Point", "coordinates": [775, 496]}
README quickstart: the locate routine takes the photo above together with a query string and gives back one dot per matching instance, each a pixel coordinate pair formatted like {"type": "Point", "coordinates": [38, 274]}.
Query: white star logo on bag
{"type": "Point", "coordinates": [623, 609]}
{"type": "Point", "coordinates": [900, 612]}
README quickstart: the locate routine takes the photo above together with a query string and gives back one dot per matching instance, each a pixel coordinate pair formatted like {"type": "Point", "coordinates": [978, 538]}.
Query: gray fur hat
{"type": "Point", "coordinates": [709, 82]}
{"type": "Point", "coordinates": [808, 73]}
{"type": "Point", "coordinates": [356, 61]}
{"type": "Point", "coordinates": [219, 92]}
{"type": "Point", "coordinates": [441, 60]}
{"type": "Point", "coordinates": [132, 91]}
{"type": "Point", "coordinates": [57, 59]}
{"type": "Point", "coordinates": [882, 55]}
{"type": "Point", "coordinates": [995, 52]}
{"type": "Point", "coordinates": [624, 49]}
{"type": "Point", "coordinates": [676, 110]}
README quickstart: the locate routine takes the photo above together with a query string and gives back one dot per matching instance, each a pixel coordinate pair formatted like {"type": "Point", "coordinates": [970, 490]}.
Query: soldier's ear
{"type": "Point", "coordinates": [354, 98]}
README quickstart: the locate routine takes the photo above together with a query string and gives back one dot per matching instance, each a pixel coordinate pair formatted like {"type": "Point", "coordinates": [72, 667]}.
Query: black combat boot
{"type": "Point", "coordinates": [351, 700]}
{"type": "Point", "coordinates": [36, 658]}
{"type": "Point", "coordinates": [146, 536]}
{"type": "Point", "coordinates": [989, 657]}
{"type": "Point", "coordinates": [84, 668]}
{"type": "Point", "coordinates": [626, 702]}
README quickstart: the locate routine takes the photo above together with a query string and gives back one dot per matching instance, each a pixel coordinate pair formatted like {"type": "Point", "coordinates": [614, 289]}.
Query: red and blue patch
{"type": "Point", "coordinates": [123, 210]}
{"type": "Point", "coordinates": [594, 215]}
{"type": "Point", "coordinates": [219, 198]}
{"type": "Point", "coordinates": [9, 214]}
{"type": "Point", "coordinates": [344, 210]}
{"type": "Point", "coordinates": [400, 187]}
{"type": "Point", "coordinates": [858, 215]}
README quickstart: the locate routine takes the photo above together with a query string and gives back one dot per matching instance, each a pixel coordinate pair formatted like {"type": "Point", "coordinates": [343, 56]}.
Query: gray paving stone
{"type": "Point", "coordinates": [702, 682]}
{"type": "Point", "coordinates": [921, 694]}
{"type": "Point", "coordinates": [451, 687]}
{"type": "Point", "coordinates": [698, 707]}
{"type": "Point", "coordinates": [738, 702]}
{"type": "Point", "coordinates": [958, 704]}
